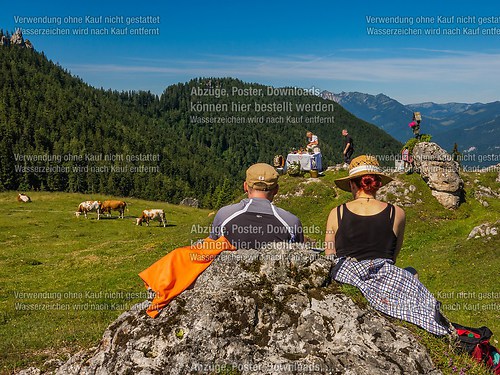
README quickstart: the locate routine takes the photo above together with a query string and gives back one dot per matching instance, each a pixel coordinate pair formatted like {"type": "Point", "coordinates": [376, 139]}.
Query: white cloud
{"type": "Point", "coordinates": [461, 68]}
{"type": "Point", "coordinates": [442, 69]}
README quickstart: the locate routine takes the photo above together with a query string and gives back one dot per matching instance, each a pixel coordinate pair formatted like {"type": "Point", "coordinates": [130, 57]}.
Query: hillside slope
{"type": "Point", "coordinates": [381, 110]}
{"type": "Point", "coordinates": [63, 279]}
{"type": "Point", "coordinates": [59, 134]}
{"type": "Point", "coordinates": [92, 266]}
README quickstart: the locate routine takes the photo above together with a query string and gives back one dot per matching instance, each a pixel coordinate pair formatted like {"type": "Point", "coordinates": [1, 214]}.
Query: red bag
{"type": "Point", "coordinates": [476, 342]}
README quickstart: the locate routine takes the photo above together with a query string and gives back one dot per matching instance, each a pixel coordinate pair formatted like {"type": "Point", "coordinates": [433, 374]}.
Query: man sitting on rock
{"type": "Point", "coordinates": [255, 221]}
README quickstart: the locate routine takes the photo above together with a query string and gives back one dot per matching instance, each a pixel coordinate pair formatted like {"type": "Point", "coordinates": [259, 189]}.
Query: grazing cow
{"type": "Point", "coordinates": [23, 198]}
{"type": "Point", "coordinates": [89, 206]}
{"type": "Point", "coordinates": [148, 215]}
{"type": "Point", "coordinates": [119, 206]}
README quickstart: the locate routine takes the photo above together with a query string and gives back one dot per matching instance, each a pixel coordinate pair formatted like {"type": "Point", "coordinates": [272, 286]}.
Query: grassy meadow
{"type": "Point", "coordinates": [83, 271]}
{"type": "Point", "coordinates": [64, 279]}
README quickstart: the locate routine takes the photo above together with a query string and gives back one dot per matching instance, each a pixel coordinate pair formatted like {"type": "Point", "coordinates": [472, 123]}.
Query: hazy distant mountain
{"type": "Point", "coordinates": [381, 110]}
{"type": "Point", "coordinates": [441, 111]}
{"type": "Point", "coordinates": [474, 126]}
{"type": "Point", "coordinates": [477, 127]}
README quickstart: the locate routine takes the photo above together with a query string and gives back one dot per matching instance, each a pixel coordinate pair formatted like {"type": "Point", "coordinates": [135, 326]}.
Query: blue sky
{"type": "Point", "coordinates": [322, 44]}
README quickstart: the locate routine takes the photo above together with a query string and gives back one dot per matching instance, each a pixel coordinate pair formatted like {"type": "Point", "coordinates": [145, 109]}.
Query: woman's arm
{"type": "Point", "coordinates": [331, 229]}
{"type": "Point", "coordinates": [399, 229]}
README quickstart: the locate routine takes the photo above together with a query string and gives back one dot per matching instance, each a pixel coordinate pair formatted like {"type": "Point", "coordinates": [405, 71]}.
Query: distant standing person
{"type": "Point", "coordinates": [415, 124]}
{"type": "Point", "coordinates": [415, 128]}
{"type": "Point", "coordinates": [348, 147]}
{"type": "Point", "coordinates": [407, 159]}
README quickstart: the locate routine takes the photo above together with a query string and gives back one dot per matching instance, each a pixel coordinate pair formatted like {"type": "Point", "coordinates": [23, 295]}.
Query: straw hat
{"type": "Point", "coordinates": [360, 166]}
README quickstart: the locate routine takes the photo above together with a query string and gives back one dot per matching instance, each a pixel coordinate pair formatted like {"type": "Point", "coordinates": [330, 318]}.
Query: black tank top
{"type": "Point", "coordinates": [366, 237]}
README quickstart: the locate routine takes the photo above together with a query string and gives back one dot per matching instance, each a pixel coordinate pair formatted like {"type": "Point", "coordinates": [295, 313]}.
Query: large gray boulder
{"type": "Point", "coordinates": [440, 172]}
{"type": "Point", "coordinates": [257, 312]}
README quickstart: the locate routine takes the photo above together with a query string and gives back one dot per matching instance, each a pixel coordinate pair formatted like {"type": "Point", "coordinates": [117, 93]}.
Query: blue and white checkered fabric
{"type": "Point", "coordinates": [394, 292]}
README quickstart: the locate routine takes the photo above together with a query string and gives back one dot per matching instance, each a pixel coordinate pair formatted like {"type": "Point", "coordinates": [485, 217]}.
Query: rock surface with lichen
{"type": "Point", "coordinates": [441, 173]}
{"type": "Point", "coordinates": [257, 312]}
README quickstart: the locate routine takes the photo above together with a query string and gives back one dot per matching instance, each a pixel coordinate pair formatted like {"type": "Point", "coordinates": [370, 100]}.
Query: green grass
{"type": "Point", "coordinates": [462, 274]}
{"type": "Point", "coordinates": [77, 261]}
{"type": "Point", "coordinates": [435, 241]}
{"type": "Point", "coordinates": [88, 269]}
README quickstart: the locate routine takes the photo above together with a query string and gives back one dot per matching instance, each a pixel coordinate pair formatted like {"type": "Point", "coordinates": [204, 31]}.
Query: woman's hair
{"type": "Point", "coordinates": [369, 183]}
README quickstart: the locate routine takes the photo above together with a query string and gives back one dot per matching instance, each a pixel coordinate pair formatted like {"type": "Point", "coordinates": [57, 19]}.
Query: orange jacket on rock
{"type": "Point", "coordinates": [177, 270]}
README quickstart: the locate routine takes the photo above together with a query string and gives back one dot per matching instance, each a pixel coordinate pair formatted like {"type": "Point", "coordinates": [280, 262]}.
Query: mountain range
{"type": "Point", "coordinates": [475, 127]}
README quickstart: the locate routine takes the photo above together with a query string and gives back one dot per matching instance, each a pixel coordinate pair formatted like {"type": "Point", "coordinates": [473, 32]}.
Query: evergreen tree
{"type": "Point", "coordinates": [46, 111]}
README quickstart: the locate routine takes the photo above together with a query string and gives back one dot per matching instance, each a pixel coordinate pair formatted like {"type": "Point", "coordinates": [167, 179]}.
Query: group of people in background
{"type": "Point", "coordinates": [347, 145]}
{"type": "Point", "coordinates": [363, 237]}
{"type": "Point", "coordinates": [365, 228]}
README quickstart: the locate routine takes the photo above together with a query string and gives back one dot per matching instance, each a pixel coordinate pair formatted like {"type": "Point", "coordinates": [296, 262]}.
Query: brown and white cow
{"type": "Point", "coordinates": [149, 215]}
{"type": "Point", "coordinates": [119, 206]}
{"type": "Point", "coordinates": [89, 206]}
{"type": "Point", "coordinates": [23, 198]}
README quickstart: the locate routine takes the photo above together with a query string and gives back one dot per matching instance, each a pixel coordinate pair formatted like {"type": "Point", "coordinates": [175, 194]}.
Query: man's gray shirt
{"type": "Point", "coordinates": [254, 222]}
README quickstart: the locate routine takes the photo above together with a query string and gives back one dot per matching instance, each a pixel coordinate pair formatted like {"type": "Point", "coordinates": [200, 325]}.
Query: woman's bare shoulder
{"type": "Point", "coordinates": [399, 212]}
{"type": "Point", "coordinates": [333, 212]}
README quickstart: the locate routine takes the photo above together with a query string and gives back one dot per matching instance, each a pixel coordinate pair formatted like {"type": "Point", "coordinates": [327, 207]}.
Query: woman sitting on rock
{"type": "Point", "coordinates": [365, 228]}
{"type": "Point", "coordinates": [366, 236]}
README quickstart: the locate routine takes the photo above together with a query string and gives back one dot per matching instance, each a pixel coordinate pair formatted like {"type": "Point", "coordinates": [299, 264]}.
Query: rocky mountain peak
{"type": "Point", "coordinates": [16, 39]}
